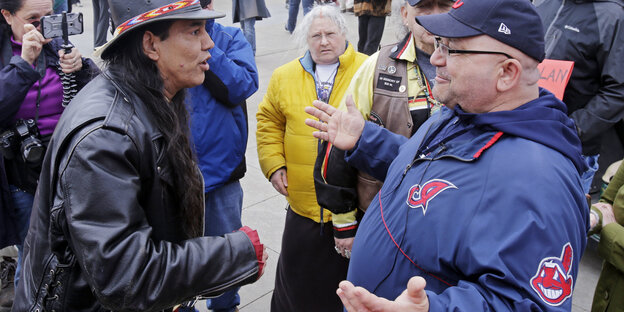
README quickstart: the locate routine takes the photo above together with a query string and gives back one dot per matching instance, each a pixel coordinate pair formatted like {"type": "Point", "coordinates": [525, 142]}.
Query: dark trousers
{"type": "Point", "coordinates": [370, 29]}
{"type": "Point", "coordinates": [101, 17]}
{"type": "Point", "coordinates": [308, 268]}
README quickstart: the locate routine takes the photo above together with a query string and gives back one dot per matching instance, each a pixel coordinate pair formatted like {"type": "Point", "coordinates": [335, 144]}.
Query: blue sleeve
{"type": "Point", "coordinates": [521, 249]}
{"type": "Point", "coordinates": [233, 63]}
{"type": "Point", "coordinates": [16, 78]}
{"type": "Point", "coordinates": [375, 150]}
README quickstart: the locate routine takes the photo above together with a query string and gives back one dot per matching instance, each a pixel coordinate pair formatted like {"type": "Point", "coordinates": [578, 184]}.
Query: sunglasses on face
{"type": "Point", "coordinates": [34, 22]}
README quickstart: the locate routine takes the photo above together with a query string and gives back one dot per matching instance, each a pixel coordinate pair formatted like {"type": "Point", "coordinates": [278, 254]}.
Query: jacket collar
{"type": "Point", "coordinates": [405, 49]}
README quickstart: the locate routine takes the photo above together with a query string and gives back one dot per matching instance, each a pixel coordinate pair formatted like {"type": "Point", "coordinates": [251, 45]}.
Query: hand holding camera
{"type": "Point", "coordinates": [32, 43]}
{"type": "Point", "coordinates": [70, 62]}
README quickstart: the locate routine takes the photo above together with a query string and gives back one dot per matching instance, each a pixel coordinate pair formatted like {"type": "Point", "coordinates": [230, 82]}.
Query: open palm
{"type": "Point", "coordinates": [358, 299]}
{"type": "Point", "coordinates": [342, 129]}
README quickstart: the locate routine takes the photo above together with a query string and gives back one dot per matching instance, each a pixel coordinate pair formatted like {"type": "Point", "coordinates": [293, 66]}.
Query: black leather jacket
{"type": "Point", "coordinates": [104, 232]}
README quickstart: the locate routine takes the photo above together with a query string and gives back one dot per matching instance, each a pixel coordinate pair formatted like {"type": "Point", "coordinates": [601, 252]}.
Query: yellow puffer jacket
{"type": "Point", "coordinates": [283, 138]}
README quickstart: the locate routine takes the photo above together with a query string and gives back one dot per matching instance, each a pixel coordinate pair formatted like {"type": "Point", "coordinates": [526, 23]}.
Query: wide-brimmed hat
{"type": "Point", "coordinates": [131, 14]}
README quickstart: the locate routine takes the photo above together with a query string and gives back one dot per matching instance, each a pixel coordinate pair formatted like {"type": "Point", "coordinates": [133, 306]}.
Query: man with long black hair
{"type": "Point", "coordinates": [118, 214]}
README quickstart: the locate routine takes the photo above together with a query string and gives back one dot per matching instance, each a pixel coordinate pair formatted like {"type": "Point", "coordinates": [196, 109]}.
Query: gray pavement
{"type": "Point", "coordinates": [263, 207]}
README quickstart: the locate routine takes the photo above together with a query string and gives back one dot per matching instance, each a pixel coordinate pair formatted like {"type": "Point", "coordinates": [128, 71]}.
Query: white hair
{"type": "Point", "coordinates": [329, 11]}
{"type": "Point", "coordinates": [397, 20]}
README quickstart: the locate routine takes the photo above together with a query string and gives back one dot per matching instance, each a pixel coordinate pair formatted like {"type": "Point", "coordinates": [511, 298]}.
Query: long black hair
{"type": "Point", "coordinates": [12, 6]}
{"type": "Point", "coordinates": [128, 64]}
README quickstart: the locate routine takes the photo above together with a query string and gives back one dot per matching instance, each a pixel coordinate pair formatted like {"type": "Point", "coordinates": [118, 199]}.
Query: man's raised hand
{"type": "Point", "coordinates": [343, 129]}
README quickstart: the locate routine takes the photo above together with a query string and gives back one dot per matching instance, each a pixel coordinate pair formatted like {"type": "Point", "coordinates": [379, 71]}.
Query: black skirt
{"type": "Point", "coordinates": [309, 268]}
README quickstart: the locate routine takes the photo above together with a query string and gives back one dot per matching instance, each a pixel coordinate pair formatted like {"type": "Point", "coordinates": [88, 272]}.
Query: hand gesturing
{"type": "Point", "coordinates": [343, 129]}
{"type": "Point", "coordinates": [358, 299]}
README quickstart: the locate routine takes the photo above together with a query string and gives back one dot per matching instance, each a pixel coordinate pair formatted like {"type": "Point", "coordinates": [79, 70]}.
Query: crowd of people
{"type": "Point", "coordinates": [430, 174]}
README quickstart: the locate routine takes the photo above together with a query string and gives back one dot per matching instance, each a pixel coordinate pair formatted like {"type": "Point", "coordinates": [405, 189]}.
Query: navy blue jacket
{"type": "Point", "coordinates": [218, 109]}
{"type": "Point", "coordinates": [489, 209]}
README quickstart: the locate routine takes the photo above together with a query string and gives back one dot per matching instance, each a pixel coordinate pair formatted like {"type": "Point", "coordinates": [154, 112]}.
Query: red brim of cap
{"type": "Point", "coordinates": [445, 25]}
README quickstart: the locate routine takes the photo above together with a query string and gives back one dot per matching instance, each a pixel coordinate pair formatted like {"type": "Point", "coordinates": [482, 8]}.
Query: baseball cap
{"type": "Point", "coordinates": [415, 2]}
{"type": "Point", "coordinates": [512, 22]}
{"type": "Point", "coordinates": [128, 15]}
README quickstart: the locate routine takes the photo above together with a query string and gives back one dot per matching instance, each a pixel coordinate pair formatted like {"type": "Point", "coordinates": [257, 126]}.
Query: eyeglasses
{"type": "Point", "coordinates": [35, 23]}
{"type": "Point", "coordinates": [446, 51]}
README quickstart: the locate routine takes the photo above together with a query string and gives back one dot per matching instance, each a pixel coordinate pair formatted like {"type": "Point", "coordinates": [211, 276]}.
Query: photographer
{"type": "Point", "coordinates": [31, 95]}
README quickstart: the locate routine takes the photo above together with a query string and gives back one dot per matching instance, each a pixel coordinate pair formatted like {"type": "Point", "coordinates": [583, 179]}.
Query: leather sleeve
{"type": "Point", "coordinates": [108, 230]}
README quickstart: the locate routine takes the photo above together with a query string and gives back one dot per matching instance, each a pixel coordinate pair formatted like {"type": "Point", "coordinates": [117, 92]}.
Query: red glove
{"type": "Point", "coordinates": [258, 247]}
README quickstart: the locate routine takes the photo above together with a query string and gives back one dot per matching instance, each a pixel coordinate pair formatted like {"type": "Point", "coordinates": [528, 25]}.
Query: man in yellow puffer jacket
{"type": "Point", "coordinates": [309, 269]}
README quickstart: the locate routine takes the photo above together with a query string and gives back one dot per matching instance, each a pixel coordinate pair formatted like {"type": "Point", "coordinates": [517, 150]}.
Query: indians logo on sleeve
{"type": "Point", "coordinates": [420, 196]}
{"type": "Point", "coordinates": [553, 282]}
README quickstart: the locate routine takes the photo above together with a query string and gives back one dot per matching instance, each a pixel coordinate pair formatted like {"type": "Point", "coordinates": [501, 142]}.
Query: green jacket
{"type": "Point", "coordinates": [609, 295]}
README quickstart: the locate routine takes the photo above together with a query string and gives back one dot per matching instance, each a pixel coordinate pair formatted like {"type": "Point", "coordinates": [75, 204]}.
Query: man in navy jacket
{"type": "Point", "coordinates": [219, 128]}
{"type": "Point", "coordinates": [484, 204]}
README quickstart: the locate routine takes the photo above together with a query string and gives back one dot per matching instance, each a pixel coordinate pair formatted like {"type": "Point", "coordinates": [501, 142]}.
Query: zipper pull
{"type": "Point", "coordinates": [407, 169]}
{"type": "Point", "coordinates": [440, 150]}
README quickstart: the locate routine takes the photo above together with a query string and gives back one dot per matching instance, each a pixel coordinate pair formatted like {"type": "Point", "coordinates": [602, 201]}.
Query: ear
{"type": "Point", "coordinates": [404, 14]}
{"type": "Point", "coordinates": [8, 17]}
{"type": "Point", "coordinates": [150, 45]}
{"type": "Point", "coordinates": [509, 75]}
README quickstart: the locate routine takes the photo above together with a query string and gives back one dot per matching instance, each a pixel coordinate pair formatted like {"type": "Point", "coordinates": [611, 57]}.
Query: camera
{"type": "Point", "coordinates": [53, 26]}
{"type": "Point", "coordinates": [24, 138]}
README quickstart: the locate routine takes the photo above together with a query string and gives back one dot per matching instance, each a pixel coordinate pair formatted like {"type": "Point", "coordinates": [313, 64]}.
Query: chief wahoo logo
{"type": "Point", "coordinates": [420, 196]}
{"type": "Point", "coordinates": [553, 282]}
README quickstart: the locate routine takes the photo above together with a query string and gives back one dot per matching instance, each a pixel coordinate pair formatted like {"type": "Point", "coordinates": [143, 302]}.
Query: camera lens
{"type": "Point", "coordinates": [32, 150]}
